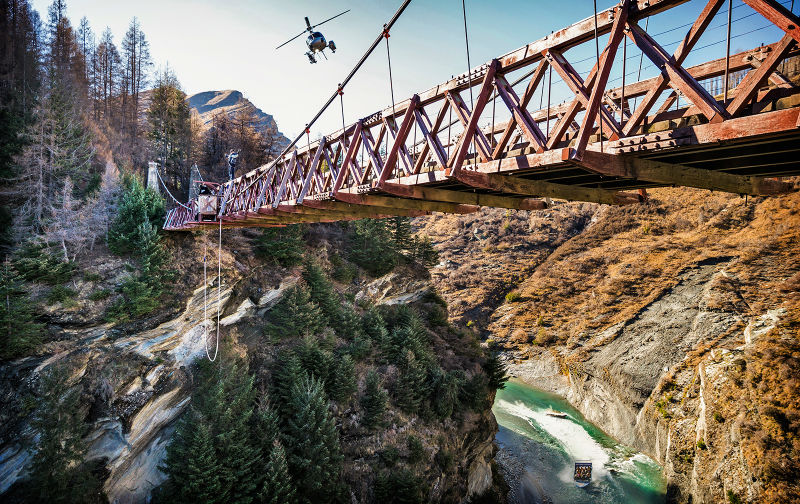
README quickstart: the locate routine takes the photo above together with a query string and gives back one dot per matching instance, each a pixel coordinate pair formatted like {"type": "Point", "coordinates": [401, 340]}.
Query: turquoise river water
{"type": "Point", "coordinates": [538, 451]}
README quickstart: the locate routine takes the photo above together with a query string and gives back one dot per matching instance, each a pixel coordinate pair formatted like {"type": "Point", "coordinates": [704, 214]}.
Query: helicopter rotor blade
{"type": "Point", "coordinates": [334, 17]}
{"type": "Point", "coordinates": [291, 39]}
{"type": "Point", "coordinates": [308, 24]}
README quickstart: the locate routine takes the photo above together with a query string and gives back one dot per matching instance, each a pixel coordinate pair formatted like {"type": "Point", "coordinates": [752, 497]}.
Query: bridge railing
{"type": "Point", "coordinates": [442, 133]}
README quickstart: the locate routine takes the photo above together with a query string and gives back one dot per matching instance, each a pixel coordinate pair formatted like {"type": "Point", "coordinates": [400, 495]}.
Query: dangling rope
{"type": "Point", "coordinates": [205, 295]}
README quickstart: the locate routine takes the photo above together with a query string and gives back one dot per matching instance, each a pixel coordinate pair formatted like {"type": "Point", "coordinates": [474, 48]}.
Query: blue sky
{"type": "Point", "coordinates": [231, 45]}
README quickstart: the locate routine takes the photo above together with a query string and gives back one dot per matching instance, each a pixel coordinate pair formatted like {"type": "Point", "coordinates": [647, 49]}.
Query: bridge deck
{"type": "Point", "coordinates": [736, 145]}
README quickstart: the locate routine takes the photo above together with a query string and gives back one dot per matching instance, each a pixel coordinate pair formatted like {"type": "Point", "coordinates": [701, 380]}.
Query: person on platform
{"type": "Point", "coordinates": [232, 156]}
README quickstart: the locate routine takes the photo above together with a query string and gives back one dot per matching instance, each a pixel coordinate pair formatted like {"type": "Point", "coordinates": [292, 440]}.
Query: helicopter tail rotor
{"type": "Point", "coordinates": [331, 46]}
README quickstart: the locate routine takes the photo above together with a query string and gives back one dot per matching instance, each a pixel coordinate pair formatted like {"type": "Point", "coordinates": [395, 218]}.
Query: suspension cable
{"type": "Point", "coordinates": [641, 57]}
{"type": "Point", "coordinates": [597, 77]}
{"type": "Point", "coordinates": [469, 78]}
{"type": "Point", "coordinates": [158, 174]}
{"type": "Point", "coordinates": [727, 55]}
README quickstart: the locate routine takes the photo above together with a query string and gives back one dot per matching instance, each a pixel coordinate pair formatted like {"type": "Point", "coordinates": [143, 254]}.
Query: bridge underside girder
{"type": "Point", "coordinates": [600, 147]}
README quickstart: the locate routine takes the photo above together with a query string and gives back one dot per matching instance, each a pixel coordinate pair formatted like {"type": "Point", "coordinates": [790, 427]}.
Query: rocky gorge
{"type": "Point", "coordinates": [672, 326]}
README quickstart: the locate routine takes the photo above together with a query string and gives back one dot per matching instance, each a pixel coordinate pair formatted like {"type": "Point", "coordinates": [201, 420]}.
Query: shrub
{"type": "Point", "coordinates": [733, 498]}
{"type": "Point", "coordinates": [513, 297]}
{"type": "Point", "coordinates": [92, 277]}
{"type": "Point", "coordinates": [36, 263]}
{"type": "Point", "coordinates": [390, 455]}
{"type": "Point", "coordinates": [445, 460]}
{"type": "Point", "coordinates": [341, 270]}
{"type": "Point", "coordinates": [416, 452]}
{"type": "Point", "coordinates": [701, 444]}
{"type": "Point", "coordinates": [100, 295]}
{"type": "Point", "coordinates": [718, 417]}
{"type": "Point", "coordinates": [61, 294]}
{"type": "Point", "coordinates": [543, 337]}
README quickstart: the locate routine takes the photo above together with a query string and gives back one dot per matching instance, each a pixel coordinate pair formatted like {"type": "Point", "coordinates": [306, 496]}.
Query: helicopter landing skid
{"type": "Point", "coordinates": [311, 58]}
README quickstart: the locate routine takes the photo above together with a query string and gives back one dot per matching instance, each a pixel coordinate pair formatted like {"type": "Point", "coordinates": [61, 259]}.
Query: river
{"type": "Point", "coordinates": [537, 452]}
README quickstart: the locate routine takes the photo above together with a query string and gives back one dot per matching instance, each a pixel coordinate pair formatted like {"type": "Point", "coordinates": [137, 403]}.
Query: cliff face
{"type": "Point", "coordinates": [673, 326]}
{"type": "Point", "coordinates": [136, 380]}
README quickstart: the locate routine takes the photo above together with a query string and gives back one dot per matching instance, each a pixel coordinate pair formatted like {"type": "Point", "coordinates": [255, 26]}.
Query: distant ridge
{"type": "Point", "coordinates": [207, 104]}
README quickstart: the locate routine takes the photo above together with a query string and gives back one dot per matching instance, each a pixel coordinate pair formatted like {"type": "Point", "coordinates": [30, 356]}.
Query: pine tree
{"type": "Point", "coordinates": [373, 325]}
{"type": "Point", "coordinates": [56, 472]}
{"type": "Point", "coordinates": [373, 401]}
{"type": "Point", "coordinates": [316, 361]}
{"type": "Point", "coordinates": [343, 382]}
{"type": "Point", "coordinates": [312, 443]}
{"type": "Point", "coordinates": [410, 387]}
{"type": "Point", "coordinates": [20, 332]}
{"type": "Point", "coordinates": [278, 487]}
{"type": "Point", "coordinates": [231, 421]}
{"type": "Point", "coordinates": [401, 231]}
{"type": "Point", "coordinates": [191, 463]}
{"type": "Point", "coordinates": [283, 246]}
{"type": "Point", "coordinates": [373, 246]}
{"type": "Point", "coordinates": [294, 315]}
{"type": "Point", "coordinates": [322, 293]}
{"type": "Point", "coordinates": [446, 389]}
{"type": "Point", "coordinates": [349, 323]}
{"type": "Point", "coordinates": [287, 371]}
{"type": "Point", "coordinates": [495, 370]}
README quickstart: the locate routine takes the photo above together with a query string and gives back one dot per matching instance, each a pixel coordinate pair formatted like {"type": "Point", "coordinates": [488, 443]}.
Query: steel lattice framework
{"type": "Point", "coordinates": [591, 148]}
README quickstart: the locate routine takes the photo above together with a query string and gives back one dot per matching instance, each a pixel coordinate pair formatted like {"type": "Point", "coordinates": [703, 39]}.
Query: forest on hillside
{"type": "Point", "coordinates": [290, 416]}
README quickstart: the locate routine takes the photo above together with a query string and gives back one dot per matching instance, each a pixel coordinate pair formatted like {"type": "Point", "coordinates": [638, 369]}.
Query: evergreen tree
{"type": "Point", "coordinates": [57, 473]}
{"type": "Point", "coordinates": [322, 292]}
{"type": "Point", "coordinates": [398, 487]}
{"type": "Point", "coordinates": [20, 333]}
{"type": "Point", "coordinates": [373, 325]}
{"type": "Point", "coordinates": [349, 323]}
{"type": "Point", "coordinates": [373, 246]}
{"type": "Point", "coordinates": [231, 417]}
{"type": "Point", "coordinates": [278, 487]}
{"type": "Point", "coordinates": [287, 371]}
{"type": "Point", "coordinates": [401, 233]}
{"type": "Point", "coordinates": [425, 253]}
{"type": "Point", "coordinates": [410, 387]}
{"type": "Point", "coordinates": [373, 401]}
{"type": "Point", "coordinates": [495, 370]}
{"type": "Point", "coordinates": [343, 382]}
{"type": "Point", "coordinates": [316, 361]}
{"type": "Point", "coordinates": [446, 389]}
{"type": "Point", "coordinates": [294, 315]}
{"type": "Point", "coordinates": [312, 443]}
{"type": "Point", "coordinates": [474, 392]}
{"type": "Point", "coordinates": [282, 246]}
{"type": "Point", "coordinates": [138, 206]}
{"type": "Point", "coordinates": [191, 463]}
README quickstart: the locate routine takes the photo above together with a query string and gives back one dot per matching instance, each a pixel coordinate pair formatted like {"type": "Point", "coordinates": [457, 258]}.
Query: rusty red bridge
{"type": "Point", "coordinates": [730, 124]}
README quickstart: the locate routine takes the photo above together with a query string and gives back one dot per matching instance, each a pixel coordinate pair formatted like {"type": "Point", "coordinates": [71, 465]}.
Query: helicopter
{"type": "Point", "coordinates": [316, 41]}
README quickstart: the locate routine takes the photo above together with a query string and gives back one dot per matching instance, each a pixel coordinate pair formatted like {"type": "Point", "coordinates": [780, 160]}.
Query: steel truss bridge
{"type": "Point", "coordinates": [605, 145]}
